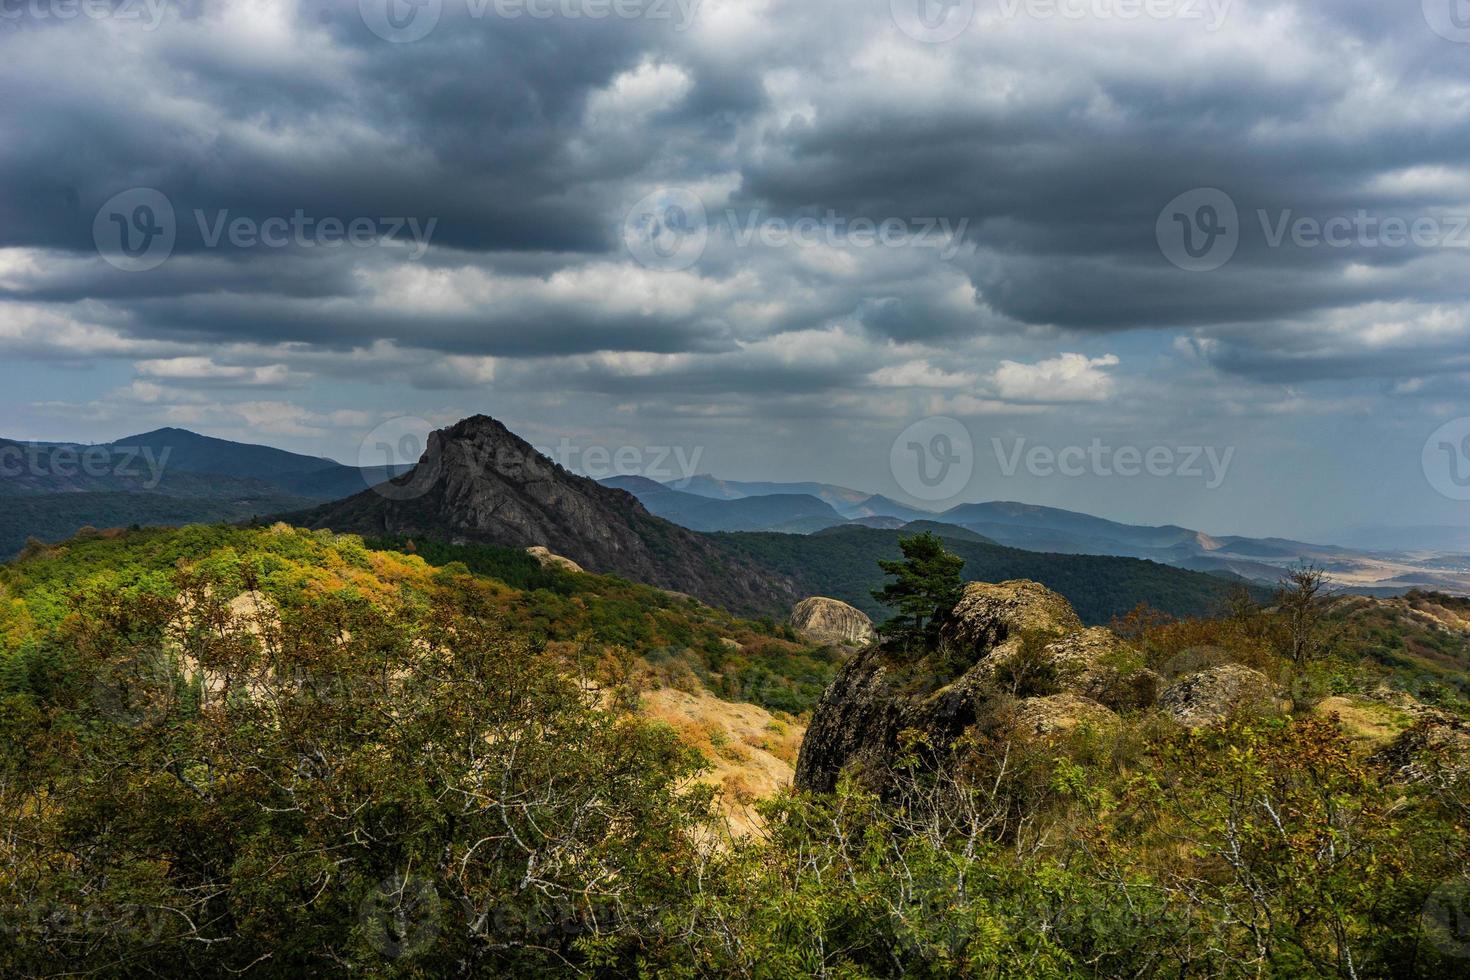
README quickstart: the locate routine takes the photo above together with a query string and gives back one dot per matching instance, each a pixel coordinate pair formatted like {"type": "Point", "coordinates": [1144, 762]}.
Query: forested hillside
{"type": "Point", "coordinates": [842, 563]}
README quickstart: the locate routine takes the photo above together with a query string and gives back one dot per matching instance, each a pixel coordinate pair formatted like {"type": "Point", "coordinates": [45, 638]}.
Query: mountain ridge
{"type": "Point", "coordinates": [478, 482]}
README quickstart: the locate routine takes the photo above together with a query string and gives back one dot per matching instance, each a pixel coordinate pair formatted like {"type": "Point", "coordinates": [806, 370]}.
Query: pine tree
{"type": "Point", "coordinates": [926, 588]}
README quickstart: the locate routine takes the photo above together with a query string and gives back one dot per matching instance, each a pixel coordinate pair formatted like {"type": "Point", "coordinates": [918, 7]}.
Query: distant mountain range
{"type": "Point", "coordinates": [172, 476]}
{"type": "Point", "coordinates": [49, 491]}
{"type": "Point", "coordinates": [479, 483]}
{"type": "Point", "coordinates": [707, 503]}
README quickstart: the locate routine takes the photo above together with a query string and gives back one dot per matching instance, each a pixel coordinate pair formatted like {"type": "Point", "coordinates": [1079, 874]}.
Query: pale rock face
{"type": "Point", "coordinates": [1097, 664]}
{"type": "Point", "coordinates": [987, 615]}
{"type": "Point", "coordinates": [1210, 696]}
{"type": "Point", "coordinates": [548, 560]}
{"type": "Point", "coordinates": [1061, 713]}
{"type": "Point", "coordinates": [823, 620]}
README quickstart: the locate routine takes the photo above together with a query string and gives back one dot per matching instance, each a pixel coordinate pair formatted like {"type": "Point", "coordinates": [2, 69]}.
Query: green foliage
{"type": "Point", "coordinates": [926, 588]}
{"type": "Point", "coordinates": [399, 767]}
{"type": "Point", "coordinates": [390, 787]}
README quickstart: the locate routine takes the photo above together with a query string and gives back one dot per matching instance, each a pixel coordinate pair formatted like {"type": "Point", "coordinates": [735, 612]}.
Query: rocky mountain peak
{"type": "Point", "coordinates": [478, 482]}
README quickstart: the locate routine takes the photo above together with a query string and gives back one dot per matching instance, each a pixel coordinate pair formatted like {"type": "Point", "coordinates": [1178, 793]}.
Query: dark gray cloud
{"type": "Point", "coordinates": [524, 143]}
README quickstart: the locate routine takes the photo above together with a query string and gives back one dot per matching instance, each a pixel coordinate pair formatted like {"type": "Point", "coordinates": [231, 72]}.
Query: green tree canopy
{"type": "Point", "coordinates": [926, 587]}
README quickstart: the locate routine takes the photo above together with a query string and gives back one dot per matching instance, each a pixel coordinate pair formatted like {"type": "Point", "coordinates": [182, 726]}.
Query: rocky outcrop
{"type": "Point", "coordinates": [1211, 696]}
{"type": "Point", "coordinates": [1097, 664]}
{"type": "Point", "coordinates": [546, 559]}
{"type": "Point", "coordinates": [988, 615]}
{"type": "Point", "coordinates": [823, 620]}
{"type": "Point", "coordinates": [1061, 713]}
{"type": "Point", "coordinates": [879, 695]}
{"type": "Point", "coordinates": [477, 482]}
{"type": "Point", "coordinates": [1438, 741]}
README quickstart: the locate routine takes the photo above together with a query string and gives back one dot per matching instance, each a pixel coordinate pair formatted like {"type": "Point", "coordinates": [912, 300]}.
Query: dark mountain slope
{"type": "Point", "coordinates": [789, 512]}
{"type": "Point", "coordinates": [305, 476]}
{"type": "Point", "coordinates": [842, 563]}
{"type": "Point", "coordinates": [480, 483]}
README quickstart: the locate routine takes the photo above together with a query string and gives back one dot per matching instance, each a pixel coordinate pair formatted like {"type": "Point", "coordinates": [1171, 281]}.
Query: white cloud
{"type": "Point", "coordinates": [1068, 378]}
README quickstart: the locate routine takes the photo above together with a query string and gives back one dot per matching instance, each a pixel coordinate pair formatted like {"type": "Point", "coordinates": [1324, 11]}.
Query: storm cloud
{"type": "Point", "coordinates": [446, 200]}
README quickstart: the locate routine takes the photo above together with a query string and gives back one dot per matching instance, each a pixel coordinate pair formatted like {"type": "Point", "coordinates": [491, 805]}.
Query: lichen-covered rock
{"type": "Point", "coordinates": [1060, 713]}
{"type": "Point", "coordinates": [881, 694]}
{"type": "Point", "coordinates": [548, 560]}
{"type": "Point", "coordinates": [987, 615]}
{"type": "Point", "coordinates": [1097, 664]}
{"type": "Point", "coordinates": [823, 620]}
{"type": "Point", "coordinates": [1437, 740]}
{"type": "Point", "coordinates": [1211, 696]}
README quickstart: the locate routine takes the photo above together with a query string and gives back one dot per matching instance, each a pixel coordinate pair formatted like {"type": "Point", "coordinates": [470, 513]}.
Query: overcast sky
{"type": "Point", "coordinates": [1080, 224]}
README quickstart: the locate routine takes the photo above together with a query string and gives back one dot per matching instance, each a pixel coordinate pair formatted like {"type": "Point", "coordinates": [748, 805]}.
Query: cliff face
{"type": "Point", "coordinates": [478, 482]}
{"type": "Point", "coordinates": [822, 620]}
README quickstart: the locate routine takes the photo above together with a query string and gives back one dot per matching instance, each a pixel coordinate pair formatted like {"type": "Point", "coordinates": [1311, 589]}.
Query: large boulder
{"type": "Point", "coordinates": [823, 620]}
{"type": "Point", "coordinates": [1097, 664]}
{"type": "Point", "coordinates": [1438, 741]}
{"type": "Point", "coordinates": [1211, 696]}
{"type": "Point", "coordinates": [988, 615]}
{"type": "Point", "coordinates": [1061, 713]}
{"type": "Point", "coordinates": [881, 694]}
{"type": "Point", "coordinates": [547, 559]}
